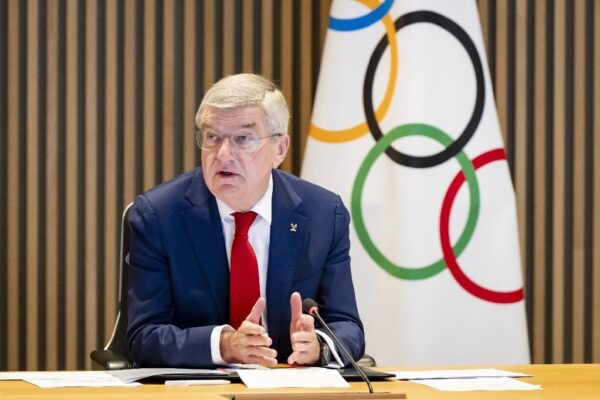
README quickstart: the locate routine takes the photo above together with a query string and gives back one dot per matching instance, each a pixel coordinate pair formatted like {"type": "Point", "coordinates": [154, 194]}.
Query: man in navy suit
{"type": "Point", "coordinates": [181, 239]}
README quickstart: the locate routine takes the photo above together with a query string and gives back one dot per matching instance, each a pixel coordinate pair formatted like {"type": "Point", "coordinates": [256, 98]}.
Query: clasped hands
{"type": "Point", "coordinates": [249, 344]}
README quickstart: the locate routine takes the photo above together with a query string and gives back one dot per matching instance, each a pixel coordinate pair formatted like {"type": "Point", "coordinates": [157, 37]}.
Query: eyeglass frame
{"type": "Point", "coordinates": [236, 149]}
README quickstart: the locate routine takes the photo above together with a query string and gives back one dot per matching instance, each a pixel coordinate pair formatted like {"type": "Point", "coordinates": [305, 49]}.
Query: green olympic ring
{"type": "Point", "coordinates": [359, 183]}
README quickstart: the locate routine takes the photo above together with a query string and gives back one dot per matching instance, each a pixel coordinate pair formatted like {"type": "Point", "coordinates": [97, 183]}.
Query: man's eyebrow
{"type": "Point", "coordinates": [249, 125]}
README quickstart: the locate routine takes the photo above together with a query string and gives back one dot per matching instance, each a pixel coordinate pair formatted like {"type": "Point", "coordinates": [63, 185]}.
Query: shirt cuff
{"type": "Point", "coordinates": [215, 345]}
{"type": "Point", "coordinates": [337, 361]}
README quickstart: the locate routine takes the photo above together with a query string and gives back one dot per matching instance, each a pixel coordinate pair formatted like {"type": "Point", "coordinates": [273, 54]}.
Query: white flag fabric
{"type": "Point", "coordinates": [405, 129]}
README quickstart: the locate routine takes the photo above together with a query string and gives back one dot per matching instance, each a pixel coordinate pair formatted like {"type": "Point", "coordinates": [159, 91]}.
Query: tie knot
{"type": "Point", "coordinates": [243, 220]}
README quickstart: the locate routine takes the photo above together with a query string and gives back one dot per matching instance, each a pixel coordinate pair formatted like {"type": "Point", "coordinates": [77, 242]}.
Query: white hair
{"type": "Point", "coordinates": [243, 90]}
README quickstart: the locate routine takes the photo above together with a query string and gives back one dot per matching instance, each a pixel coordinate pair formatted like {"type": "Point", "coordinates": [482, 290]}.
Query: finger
{"type": "Point", "coordinates": [237, 346]}
{"type": "Point", "coordinates": [292, 359]}
{"type": "Point", "coordinates": [258, 351]}
{"type": "Point", "coordinates": [261, 360]}
{"type": "Point", "coordinates": [262, 355]}
{"type": "Point", "coordinates": [302, 347]}
{"type": "Point", "coordinates": [304, 353]}
{"type": "Point", "coordinates": [304, 337]}
{"type": "Point", "coordinates": [255, 340]}
{"type": "Point", "coordinates": [296, 308]}
{"type": "Point", "coordinates": [301, 358]}
{"type": "Point", "coordinates": [305, 348]}
{"type": "Point", "coordinates": [306, 323]}
{"type": "Point", "coordinates": [257, 310]}
{"type": "Point", "coordinates": [250, 328]}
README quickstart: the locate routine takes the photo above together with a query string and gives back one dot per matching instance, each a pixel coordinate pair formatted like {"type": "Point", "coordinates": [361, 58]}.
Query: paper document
{"type": "Point", "coordinates": [311, 377]}
{"type": "Point", "coordinates": [56, 379]}
{"type": "Point", "coordinates": [457, 373]}
{"type": "Point", "coordinates": [471, 384]}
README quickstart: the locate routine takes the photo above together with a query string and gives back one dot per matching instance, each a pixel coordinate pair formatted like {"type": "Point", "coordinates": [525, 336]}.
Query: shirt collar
{"type": "Point", "coordinates": [262, 206]}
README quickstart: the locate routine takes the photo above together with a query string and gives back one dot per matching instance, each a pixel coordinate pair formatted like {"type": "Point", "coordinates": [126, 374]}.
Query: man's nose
{"type": "Point", "coordinates": [226, 150]}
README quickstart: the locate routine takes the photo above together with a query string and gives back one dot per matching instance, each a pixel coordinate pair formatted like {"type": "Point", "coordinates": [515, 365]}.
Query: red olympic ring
{"type": "Point", "coordinates": [449, 256]}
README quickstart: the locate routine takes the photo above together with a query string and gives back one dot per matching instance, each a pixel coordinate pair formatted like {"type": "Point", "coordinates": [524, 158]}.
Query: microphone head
{"type": "Point", "coordinates": [309, 306]}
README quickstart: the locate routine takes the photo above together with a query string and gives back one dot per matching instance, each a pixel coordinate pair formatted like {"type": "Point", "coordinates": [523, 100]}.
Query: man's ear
{"type": "Point", "coordinates": [283, 145]}
{"type": "Point", "coordinates": [281, 150]}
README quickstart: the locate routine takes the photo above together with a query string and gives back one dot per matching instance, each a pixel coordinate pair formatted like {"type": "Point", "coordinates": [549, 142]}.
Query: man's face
{"type": "Point", "coordinates": [239, 178]}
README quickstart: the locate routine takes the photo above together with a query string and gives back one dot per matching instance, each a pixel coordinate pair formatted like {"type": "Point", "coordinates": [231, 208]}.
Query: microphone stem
{"type": "Point", "coordinates": [341, 346]}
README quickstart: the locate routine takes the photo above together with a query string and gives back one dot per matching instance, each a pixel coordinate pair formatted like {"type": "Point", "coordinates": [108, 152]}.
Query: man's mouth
{"type": "Point", "coordinates": [226, 173]}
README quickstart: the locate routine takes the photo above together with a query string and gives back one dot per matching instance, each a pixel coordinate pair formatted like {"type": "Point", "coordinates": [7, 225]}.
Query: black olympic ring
{"type": "Point", "coordinates": [465, 136]}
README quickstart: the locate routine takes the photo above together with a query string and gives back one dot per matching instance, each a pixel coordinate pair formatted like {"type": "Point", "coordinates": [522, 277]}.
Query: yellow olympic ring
{"type": "Point", "coordinates": [344, 135]}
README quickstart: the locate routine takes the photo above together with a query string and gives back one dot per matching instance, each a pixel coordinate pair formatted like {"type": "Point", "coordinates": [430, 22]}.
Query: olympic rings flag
{"type": "Point", "coordinates": [405, 128]}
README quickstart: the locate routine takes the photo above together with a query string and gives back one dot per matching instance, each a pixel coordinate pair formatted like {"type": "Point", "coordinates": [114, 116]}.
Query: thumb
{"type": "Point", "coordinates": [257, 311]}
{"type": "Point", "coordinates": [296, 308]}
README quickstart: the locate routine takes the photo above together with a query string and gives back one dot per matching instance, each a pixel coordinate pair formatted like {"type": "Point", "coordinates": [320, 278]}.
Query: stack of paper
{"type": "Point", "coordinates": [468, 379]}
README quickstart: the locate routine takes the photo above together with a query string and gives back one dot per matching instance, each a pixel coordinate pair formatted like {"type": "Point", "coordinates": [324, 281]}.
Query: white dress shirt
{"type": "Point", "coordinates": [259, 236]}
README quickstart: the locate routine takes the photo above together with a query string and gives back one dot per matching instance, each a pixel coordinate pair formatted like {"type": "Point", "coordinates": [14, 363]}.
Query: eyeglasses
{"type": "Point", "coordinates": [243, 143]}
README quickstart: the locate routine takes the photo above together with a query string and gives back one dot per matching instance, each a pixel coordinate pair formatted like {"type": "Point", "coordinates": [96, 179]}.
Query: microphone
{"type": "Point", "coordinates": [312, 308]}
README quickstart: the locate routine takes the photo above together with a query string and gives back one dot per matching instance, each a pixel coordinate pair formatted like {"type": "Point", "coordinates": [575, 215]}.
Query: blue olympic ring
{"type": "Point", "coordinates": [353, 24]}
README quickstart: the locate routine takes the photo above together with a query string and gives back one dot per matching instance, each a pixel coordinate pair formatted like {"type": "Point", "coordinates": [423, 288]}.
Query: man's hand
{"type": "Point", "coordinates": [250, 343]}
{"type": "Point", "coordinates": [305, 344]}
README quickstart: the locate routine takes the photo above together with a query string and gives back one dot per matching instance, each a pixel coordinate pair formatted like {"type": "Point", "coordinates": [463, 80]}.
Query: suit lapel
{"type": "Point", "coordinates": [288, 237]}
{"type": "Point", "coordinates": [204, 230]}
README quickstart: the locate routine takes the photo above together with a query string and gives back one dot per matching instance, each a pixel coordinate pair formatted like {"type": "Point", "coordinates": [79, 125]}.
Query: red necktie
{"type": "Point", "coordinates": [244, 288]}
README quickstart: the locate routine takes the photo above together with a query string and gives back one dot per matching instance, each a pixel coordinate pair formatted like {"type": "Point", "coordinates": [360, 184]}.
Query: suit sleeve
{"type": "Point", "coordinates": [153, 336]}
{"type": "Point", "coordinates": [336, 295]}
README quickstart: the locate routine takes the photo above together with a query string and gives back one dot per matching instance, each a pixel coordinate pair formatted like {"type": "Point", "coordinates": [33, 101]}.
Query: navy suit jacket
{"type": "Point", "coordinates": [179, 274]}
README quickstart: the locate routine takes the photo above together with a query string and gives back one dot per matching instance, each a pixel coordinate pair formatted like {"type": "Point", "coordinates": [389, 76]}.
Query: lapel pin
{"type": "Point", "coordinates": [293, 227]}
